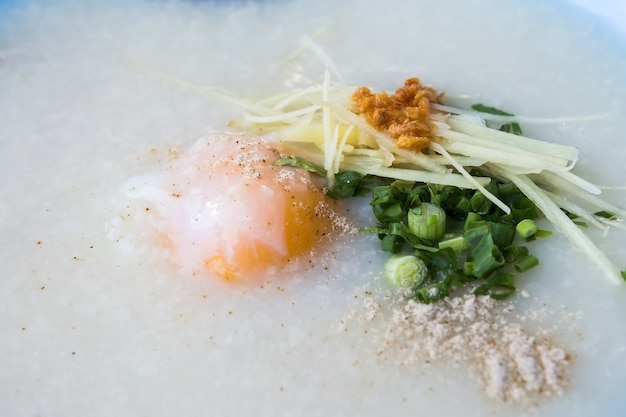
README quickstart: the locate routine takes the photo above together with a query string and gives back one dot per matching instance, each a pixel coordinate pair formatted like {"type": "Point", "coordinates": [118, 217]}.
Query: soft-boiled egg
{"type": "Point", "coordinates": [223, 209]}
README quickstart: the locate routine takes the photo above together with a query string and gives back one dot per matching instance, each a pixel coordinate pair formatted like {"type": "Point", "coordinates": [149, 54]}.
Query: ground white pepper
{"type": "Point", "coordinates": [512, 364]}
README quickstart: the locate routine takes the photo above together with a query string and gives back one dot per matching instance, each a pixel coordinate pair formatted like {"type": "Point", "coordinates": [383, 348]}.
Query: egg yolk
{"type": "Point", "coordinates": [304, 224]}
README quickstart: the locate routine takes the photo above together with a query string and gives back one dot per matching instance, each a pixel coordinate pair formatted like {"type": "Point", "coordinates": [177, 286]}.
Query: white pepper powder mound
{"type": "Point", "coordinates": [512, 364]}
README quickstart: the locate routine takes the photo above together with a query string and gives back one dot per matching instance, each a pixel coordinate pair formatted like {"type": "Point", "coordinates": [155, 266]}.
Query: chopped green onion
{"type": "Point", "coordinates": [499, 286]}
{"type": "Point", "coordinates": [348, 184]}
{"type": "Point", "coordinates": [480, 204]}
{"type": "Point", "coordinates": [456, 243]}
{"type": "Point", "coordinates": [507, 189]}
{"type": "Point", "coordinates": [405, 271]}
{"type": "Point", "coordinates": [484, 244]}
{"type": "Point", "coordinates": [474, 227]}
{"type": "Point", "coordinates": [432, 292]}
{"type": "Point", "coordinates": [543, 233]}
{"type": "Point", "coordinates": [512, 253]}
{"type": "Point", "coordinates": [624, 274]}
{"type": "Point", "coordinates": [523, 208]}
{"type": "Point", "coordinates": [483, 259]}
{"type": "Point", "coordinates": [401, 229]}
{"type": "Point", "coordinates": [501, 233]}
{"type": "Point", "coordinates": [526, 263]}
{"type": "Point", "coordinates": [526, 228]}
{"type": "Point", "coordinates": [427, 221]}
{"type": "Point", "coordinates": [417, 194]}
{"type": "Point", "coordinates": [382, 195]}
{"type": "Point", "coordinates": [491, 252]}
{"type": "Point", "coordinates": [393, 212]}
{"type": "Point", "coordinates": [392, 243]}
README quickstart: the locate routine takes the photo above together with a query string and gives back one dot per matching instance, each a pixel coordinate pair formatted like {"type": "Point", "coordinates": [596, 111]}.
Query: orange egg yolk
{"type": "Point", "coordinates": [305, 223]}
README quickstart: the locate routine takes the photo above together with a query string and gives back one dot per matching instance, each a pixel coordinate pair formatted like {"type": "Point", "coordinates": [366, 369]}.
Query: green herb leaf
{"type": "Point", "coordinates": [606, 215]}
{"type": "Point", "coordinates": [297, 162]}
{"type": "Point", "coordinates": [490, 110]}
{"type": "Point", "coordinates": [513, 128]}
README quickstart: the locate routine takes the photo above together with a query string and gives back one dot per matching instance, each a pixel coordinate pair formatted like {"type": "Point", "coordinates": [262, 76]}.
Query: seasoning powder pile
{"type": "Point", "coordinates": [475, 333]}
